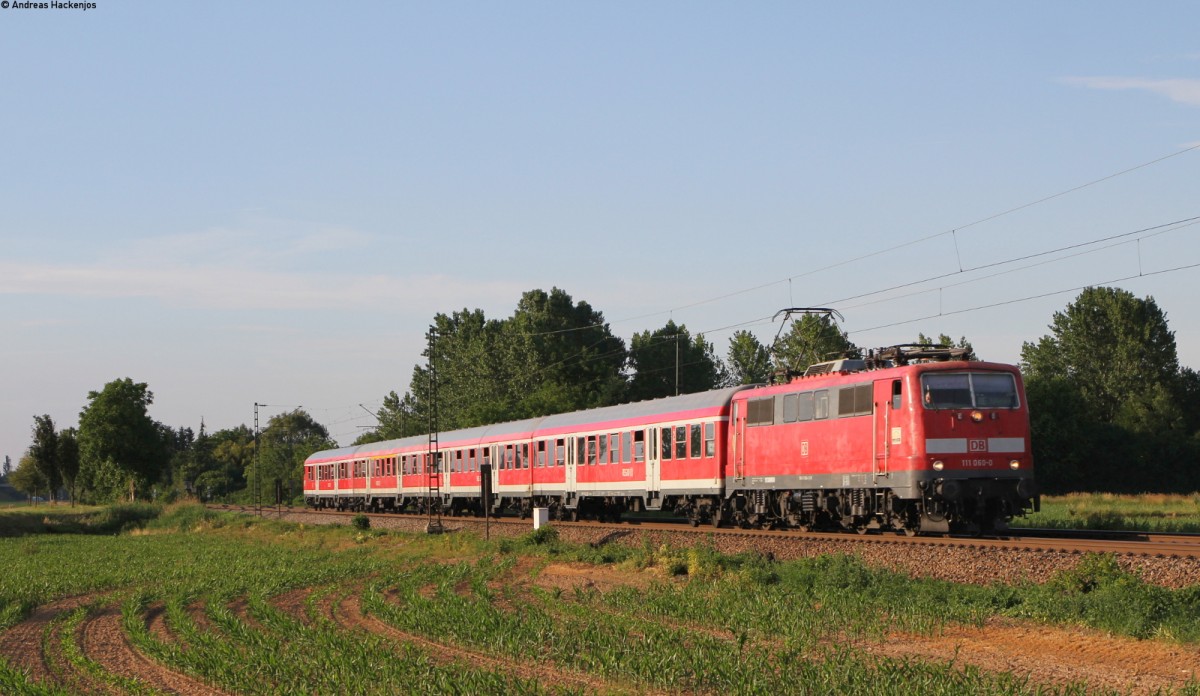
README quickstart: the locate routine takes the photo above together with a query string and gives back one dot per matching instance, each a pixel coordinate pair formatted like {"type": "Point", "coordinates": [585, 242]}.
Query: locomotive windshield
{"type": "Point", "coordinates": [969, 390]}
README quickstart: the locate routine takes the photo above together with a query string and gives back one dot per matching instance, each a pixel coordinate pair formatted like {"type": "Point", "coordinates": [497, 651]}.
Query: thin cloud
{"type": "Point", "coordinates": [1184, 91]}
{"type": "Point", "coordinates": [229, 288]}
{"type": "Point", "coordinates": [264, 242]}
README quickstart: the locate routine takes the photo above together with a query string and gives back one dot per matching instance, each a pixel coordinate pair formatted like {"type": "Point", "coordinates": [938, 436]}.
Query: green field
{"type": "Point", "coordinates": [669, 620]}
{"type": "Point", "coordinates": [1149, 512]}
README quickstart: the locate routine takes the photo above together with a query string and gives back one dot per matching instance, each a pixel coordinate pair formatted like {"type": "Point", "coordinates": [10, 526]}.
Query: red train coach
{"type": "Point", "coordinates": [661, 454]}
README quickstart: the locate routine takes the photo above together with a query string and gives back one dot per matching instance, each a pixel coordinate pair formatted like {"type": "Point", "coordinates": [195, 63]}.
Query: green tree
{"type": "Point", "coordinates": [284, 444]}
{"type": "Point", "coordinates": [552, 355]}
{"type": "Point", "coordinates": [121, 452]}
{"type": "Point", "coordinates": [813, 338]}
{"type": "Point", "coordinates": [43, 453]}
{"type": "Point", "coordinates": [397, 418]}
{"type": "Point", "coordinates": [671, 361]}
{"type": "Point", "coordinates": [1117, 351]}
{"type": "Point", "coordinates": [229, 458]}
{"type": "Point", "coordinates": [29, 479]}
{"type": "Point", "coordinates": [68, 459]}
{"type": "Point", "coordinates": [1107, 398]}
{"type": "Point", "coordinates": [749, 361]}
{"type": "Point", "coordinates": [566, 357]}
{"type": "Point", "coordinates": [473, 369]}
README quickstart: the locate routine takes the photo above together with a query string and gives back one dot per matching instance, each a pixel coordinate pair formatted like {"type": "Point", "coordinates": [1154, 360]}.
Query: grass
{"type": "Point", "coordinates": [706, 622]}
{"type": "Point", "coordinates": [1148, 512]}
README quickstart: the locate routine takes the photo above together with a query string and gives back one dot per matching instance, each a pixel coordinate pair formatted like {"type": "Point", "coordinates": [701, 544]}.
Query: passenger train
{"type": "Point", "coordinates": [911, 439]}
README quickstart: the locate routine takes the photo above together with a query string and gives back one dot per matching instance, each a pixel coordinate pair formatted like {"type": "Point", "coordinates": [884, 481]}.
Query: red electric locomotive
{"type": "Point", "coordinates": [914, 439]}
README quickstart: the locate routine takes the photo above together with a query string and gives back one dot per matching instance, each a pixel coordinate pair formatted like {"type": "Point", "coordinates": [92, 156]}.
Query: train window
{"type": "Point", "coordinates": [525, 456]}
{"type": "Point", "coordinates": [845, 401]}
{"type": "Point", "coordinates": [710, 440]}
{"type": "Point", "coordinates": [560, 452]}
{"type": "Point", "coordinates": [626, 446]}
{"type": "Point", "coordinates": [614, 448]}
{"type": "Point", "coordinates": [602, 456]}
{"type": "Point", "coordinates": [666, 444]}
{"type": "Point", "coordinates": [760, 411]}
{"type": "Point", "coordinates": [681, 442]}
{"type": "Point", "coordinates": [942, 390]}
{"type": "Point", "coordinates": [579, 449]}
{"type": "Point", "coordinates": [821, 404]}
{"type": "Point", "coordinates": [896, 393]}
{"type": "Point", "coordinates": [790, 405]}
{"type": "Point", "coordinates": [541, 454]}
{"type": "Point", "coordinates": [854, 401]}
{"type": "Point", "coordinates": [804, 406]}
{"type": "Point", "coordinates": [510, 455]}
{"type": "Point", "coordinates": [639, 445]}
{"type": "Point", "coordinates": [591, 450]}
{"type": "Point", "coordinates": [997, 390]}
{"type": "Point", "coordinates": [694, 441]}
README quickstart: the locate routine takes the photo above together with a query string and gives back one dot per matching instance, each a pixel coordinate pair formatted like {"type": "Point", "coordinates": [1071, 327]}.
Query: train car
{"type": "Point", "coordinates": [912, 440]}
{"type": "Point", "coordinates": [660, 454]}
{"type": "Point", "coordinates": [593, 463]}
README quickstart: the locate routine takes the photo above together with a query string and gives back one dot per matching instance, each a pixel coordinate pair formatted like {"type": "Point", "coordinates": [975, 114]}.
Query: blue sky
{"type": "Point", "coordinates": [267, 202]}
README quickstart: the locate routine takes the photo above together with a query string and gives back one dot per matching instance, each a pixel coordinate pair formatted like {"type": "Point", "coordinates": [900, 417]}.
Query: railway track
{"type": "Point", "coordinates": [1021, 540]}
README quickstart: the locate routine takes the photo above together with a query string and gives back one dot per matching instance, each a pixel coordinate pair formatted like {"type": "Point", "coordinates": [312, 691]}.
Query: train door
{"type": "Point", "coordinates": [497, 453]}
{"type": "Point", "coordinates": [653, 461]}
{"type": "Point", "coordinates": [571, 463]}
{"type": "Point", "coordinates": [739, 440]}
{"type": "Point", "coordinates": [886, 406]}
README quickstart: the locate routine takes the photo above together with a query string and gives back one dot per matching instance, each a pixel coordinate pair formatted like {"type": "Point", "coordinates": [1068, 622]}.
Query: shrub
{"type": "Point", "coordinates": [361, 521]}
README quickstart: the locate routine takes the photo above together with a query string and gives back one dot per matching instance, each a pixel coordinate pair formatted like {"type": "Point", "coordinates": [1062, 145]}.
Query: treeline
{"type": "Point", "coordinates": [1111, 408]}
{"type": "Point", "coordinates": [119, 452]}
{"type": "Point", "coordinates": [555, 355]}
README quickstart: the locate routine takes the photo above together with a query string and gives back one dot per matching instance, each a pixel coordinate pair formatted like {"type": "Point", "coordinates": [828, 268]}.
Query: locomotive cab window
{"type": "Point", "coordinates": [968, 390]}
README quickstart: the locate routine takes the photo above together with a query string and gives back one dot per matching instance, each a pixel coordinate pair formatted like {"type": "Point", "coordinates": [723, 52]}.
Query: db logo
{"type": "Point", "coordinates": [977, 445]}
{"type": "Point", "coordinates": [4, 4]}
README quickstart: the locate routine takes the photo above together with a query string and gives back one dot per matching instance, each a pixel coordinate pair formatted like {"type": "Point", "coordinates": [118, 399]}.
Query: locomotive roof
{"type": "Point", "coordinates": [531, 427]}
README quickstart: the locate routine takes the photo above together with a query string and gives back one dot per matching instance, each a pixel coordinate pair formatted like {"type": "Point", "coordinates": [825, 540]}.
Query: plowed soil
{"type": "Point", "coordinates": [1043, 654]}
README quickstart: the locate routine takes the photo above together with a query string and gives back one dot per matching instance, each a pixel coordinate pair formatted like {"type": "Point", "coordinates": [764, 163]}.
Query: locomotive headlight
{"type": "Point", "coordinates": [938, 465]}
{"type": "Point", "coordinates": [977, 416]}
{"type": "Point", "coordinates": [1015, 464]}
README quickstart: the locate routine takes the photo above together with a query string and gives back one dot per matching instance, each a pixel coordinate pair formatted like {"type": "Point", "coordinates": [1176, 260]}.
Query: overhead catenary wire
{"type": "Point", "coordinates": [941, 312]}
